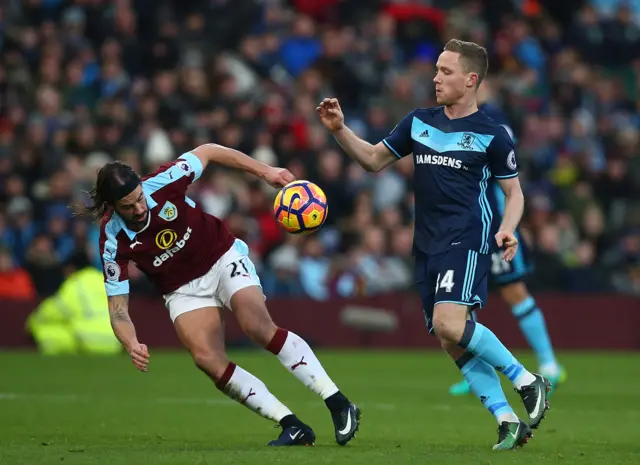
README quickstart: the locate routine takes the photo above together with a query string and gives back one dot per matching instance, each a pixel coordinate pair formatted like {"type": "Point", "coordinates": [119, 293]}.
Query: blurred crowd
{"type": "Point", "coordinates": [83, 82]}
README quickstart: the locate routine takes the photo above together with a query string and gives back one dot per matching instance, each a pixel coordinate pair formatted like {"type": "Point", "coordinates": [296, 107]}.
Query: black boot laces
{"type": "Point", "coordinates": [503, 431]}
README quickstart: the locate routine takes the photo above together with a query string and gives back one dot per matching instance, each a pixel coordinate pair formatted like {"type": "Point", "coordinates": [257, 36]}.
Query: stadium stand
{"type": "Point", "coordinates": [86, 81]}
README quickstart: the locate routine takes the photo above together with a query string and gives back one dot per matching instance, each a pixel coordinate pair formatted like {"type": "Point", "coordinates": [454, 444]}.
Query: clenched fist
{"type": "Point", "coordinates": [509, 241]}
{"type": "Point", "coordinates": [139, 356]}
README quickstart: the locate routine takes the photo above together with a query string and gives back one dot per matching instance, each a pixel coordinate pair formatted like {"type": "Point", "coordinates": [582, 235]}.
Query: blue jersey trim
{"type": "Point", "coordinates": [508, 176]}
{"type": "Point", "coordinates": [441, 142]}
{"type": "Point", "coordinates": [487, 213]}
{"type": "Point", "coordinates": [190, 164]}
{"type": "Point", "coordinates": [112, 228]}
{"type": "Point", "coordinates": [388, 145]}
{"type": "Point", "coordinates": [118, 223]}
{"type": "Point", "coordinates": [476, 302]}
{"type": "Point", "coordinates": [194, 162]}
{"type": "Point", "coordinates": [468, 304]}
{"type": "Point", "coordinates": [470, 274]}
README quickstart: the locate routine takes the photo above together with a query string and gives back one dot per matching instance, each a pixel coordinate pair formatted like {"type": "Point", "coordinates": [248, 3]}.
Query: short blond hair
{"type": "Point", "coordinates": [473, 57]}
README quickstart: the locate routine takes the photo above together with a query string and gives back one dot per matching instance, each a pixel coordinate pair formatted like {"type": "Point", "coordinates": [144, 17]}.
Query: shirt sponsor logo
{"type": "Point", "coordinates": [167, 240]}
{"type": "Point", "coordinates": [440, 160]}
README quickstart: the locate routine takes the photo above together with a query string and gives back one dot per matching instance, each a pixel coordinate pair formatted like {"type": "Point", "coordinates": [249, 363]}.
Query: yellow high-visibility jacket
{"type": "Point", "coordinates": [76, 318]}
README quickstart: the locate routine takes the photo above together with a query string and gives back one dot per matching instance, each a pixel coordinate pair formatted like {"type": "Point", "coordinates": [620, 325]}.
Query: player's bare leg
{"type": "Point", "coordinates": [201, 332]}
{"type": "Point", "coordinates": [296, 356]}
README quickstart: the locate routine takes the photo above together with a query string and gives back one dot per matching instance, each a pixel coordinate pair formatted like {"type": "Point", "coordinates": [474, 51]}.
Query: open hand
{"type": "Point", "coordinates": [331, 114]}
{"type": "Point", "coordinates": [509, 241]}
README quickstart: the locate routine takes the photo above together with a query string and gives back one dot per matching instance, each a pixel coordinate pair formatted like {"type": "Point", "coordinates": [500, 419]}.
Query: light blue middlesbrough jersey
{"type": "Point", "coordinates": [454, 161]}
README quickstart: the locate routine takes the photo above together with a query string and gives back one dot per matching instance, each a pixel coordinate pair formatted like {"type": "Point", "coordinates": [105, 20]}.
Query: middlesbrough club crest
{"type": "Point", "coordinates": [168, 212]}
{"type": "Point", "coordinates": [466, 142]}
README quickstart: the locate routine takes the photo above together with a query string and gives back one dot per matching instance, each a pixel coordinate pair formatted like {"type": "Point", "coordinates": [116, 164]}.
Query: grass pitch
{"type": "Point", "coordinates": [92, 410]}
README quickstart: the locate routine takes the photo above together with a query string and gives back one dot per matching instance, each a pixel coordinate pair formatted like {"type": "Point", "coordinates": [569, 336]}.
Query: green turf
{"type": "Point", "coordinates": [83, 410]}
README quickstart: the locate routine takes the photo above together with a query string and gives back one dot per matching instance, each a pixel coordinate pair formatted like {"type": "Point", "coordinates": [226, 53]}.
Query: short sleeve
{"type": "Point", "coordinates": [176, 176]}
{"type": "Point", "coordinates": [190, 164]}
{"type": "Point", "coordinates": [502, 156]}
{"type": "Point", "coordinates": [399, 142]}
{"type": "Point", "coordinates": [115, 268]}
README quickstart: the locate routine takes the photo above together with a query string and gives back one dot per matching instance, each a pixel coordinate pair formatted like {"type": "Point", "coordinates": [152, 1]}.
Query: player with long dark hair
{"type": "Point", "coordinates": [200, 269]}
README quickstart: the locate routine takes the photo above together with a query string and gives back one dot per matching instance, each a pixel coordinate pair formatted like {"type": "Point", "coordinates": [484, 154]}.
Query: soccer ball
{"type": "Point", "coordinates": [300, 207]}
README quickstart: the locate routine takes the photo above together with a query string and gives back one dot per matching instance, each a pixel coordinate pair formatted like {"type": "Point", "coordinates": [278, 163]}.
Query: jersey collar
{"type": "Point", "coordinates": [150, 204]}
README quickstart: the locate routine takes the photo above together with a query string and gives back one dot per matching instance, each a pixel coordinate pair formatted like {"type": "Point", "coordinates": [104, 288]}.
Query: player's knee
{"type": "Point", "coordinates": [514, 293]}
{"type": "Point", "coordinates": [210, 361]}
{"type": "Point", "coordinates": [452, 348]}
{"type": "Point", "coordinates": [448, 327]}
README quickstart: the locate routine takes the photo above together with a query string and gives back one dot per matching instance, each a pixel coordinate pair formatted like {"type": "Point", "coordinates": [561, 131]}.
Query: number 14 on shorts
{"type": "Point", "coordinates": [446, 283]}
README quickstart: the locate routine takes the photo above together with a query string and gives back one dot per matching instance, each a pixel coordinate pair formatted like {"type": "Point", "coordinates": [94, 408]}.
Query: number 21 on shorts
{"type": "Point", "coordinates": [447, 281]}
{"type": "Point", "coordinates": [235, 271]}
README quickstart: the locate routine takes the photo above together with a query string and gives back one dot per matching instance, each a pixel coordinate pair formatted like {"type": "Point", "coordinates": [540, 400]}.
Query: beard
{"type": "Point", "coordinates": [137, 224]}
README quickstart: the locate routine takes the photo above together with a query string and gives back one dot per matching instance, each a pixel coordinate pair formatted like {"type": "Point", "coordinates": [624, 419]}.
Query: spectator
{"type": "Point", "coordinates": [21, 228]}
{"type": "Point", "coordinates": [44, 266]}
{"type": "Point", "coordinates": [380, 272]}
{"type": "Point", "coordinates": [82, 83]}
{"type": "Point", "coordinates": [15, 282]}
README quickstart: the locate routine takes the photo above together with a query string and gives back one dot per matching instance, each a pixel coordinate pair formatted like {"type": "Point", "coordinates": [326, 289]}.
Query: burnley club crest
{"type": "Point", "coordinates": [169, 212]}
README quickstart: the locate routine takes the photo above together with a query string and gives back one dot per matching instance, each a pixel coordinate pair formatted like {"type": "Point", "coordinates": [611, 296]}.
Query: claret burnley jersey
{"type": "Point", "coordinates": [180, 241]}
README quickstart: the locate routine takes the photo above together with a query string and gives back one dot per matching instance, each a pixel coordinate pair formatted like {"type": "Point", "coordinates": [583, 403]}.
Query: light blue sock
{"type": "Point", "coordinates": [534, 328]}
{"type": "Point", "coordinates": [485, 385]}
{"type": "Point", "coordinates": [481, 342]}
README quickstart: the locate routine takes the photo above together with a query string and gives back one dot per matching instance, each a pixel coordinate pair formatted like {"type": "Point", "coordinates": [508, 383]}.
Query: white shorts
{"type": "Point", "coordinates": [232, 272]}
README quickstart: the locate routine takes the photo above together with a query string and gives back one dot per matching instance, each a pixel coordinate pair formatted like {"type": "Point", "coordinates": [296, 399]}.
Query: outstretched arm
{"type": "Point", "coordinates": [370, 157]}
{"type": "Point", "coordinates": [125, 331]}
{"type": "Point", "coordinates": [225, 156]}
